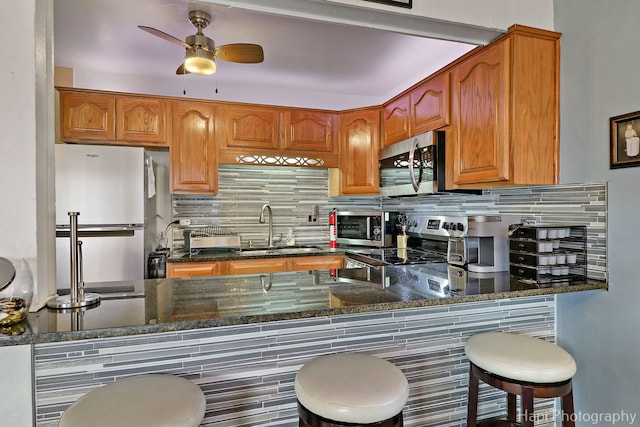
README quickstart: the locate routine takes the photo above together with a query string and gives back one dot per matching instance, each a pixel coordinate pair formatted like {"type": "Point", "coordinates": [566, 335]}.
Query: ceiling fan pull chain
{"type": "Point", "coordinates": [184, 84]}
{"type": "Point", "coordinates": [216, 83]}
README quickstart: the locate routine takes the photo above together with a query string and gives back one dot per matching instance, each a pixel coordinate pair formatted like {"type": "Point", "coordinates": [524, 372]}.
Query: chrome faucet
{"type": "Point", "coordinates": [261, 221]}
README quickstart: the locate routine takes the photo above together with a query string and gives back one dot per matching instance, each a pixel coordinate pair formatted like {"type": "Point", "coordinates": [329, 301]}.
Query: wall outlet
{"type": "Point", "coordinates": [314, 216]}
{"type": "Point", "coordinates": [185, 221]}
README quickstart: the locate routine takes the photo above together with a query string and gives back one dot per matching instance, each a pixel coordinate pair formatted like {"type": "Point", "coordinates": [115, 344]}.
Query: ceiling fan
{"type": "Point", "coordinates": [201, 51]}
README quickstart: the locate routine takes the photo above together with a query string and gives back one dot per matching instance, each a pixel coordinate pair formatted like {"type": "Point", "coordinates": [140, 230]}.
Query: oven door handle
{"type": "Point", "coordinates": [368, 228]}
{"type": "Point", "coordinates": [415, 184]}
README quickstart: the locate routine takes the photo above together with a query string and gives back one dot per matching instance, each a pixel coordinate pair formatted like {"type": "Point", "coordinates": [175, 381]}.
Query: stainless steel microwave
{"type": "Point", "coordinates": [366, 228]}
{"type": "Point", "coordinates": [413, 166]}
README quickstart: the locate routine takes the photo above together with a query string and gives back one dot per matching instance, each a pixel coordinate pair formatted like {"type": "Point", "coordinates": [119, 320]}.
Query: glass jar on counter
{"type": "Point", "coordinates": [16, 290]}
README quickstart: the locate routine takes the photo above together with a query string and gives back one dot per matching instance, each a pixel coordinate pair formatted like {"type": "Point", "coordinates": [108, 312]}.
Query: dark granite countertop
{"type": "Point", "coordinates": [164, 305]}
{"type": "Point", "coordinates": [253, 253]}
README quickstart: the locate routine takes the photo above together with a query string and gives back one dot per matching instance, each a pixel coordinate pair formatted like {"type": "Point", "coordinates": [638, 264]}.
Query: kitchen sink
{"type": "Point", "coordinates": [295, 250]}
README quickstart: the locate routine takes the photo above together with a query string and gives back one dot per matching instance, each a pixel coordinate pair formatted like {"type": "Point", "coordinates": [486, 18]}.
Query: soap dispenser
{"type": "Point", "coordinates": [291, 241]}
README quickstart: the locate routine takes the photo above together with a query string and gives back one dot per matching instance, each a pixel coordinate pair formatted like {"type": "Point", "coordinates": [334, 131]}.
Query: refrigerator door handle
{"type": "Point", "coordinates": [99, 232]}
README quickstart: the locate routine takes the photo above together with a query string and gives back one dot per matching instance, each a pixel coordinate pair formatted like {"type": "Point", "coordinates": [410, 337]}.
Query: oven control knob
{"type": "Point", "coordinates": [460, 226]}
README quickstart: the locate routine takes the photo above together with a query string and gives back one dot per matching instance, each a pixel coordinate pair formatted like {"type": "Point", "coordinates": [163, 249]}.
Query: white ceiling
{"type": "Point", "coordinates": [102, 35]}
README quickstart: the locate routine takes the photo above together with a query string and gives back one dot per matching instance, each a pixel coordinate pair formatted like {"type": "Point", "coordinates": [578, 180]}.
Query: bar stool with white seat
{"type": "Point", "coordinates": [520, 365]}
{"type": "Point", "coordinates": [350, 389]}
{"type": "Point", "coordinates": [144, 400]}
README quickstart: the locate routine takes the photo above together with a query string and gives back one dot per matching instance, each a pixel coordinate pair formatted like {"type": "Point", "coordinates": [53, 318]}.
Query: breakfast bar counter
{"type": "Point", "coordinates": [243, 338]}
{"type": "Point", "coordinates": [162, 305]}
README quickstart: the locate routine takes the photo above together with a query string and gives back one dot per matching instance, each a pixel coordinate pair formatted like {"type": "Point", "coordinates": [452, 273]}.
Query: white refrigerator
{"type": "Point", "coordinates": [106, 186]}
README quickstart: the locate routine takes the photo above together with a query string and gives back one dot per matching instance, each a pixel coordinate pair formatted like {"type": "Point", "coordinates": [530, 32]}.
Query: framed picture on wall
{"type": "Point", "coordinates": [625, 142]}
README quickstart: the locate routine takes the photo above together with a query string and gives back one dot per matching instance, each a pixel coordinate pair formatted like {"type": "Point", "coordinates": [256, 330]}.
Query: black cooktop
{"type": "Point", "coordinates": [394, 256]}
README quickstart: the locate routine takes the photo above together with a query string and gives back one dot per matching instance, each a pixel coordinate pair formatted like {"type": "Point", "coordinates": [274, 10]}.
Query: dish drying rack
{"type": "Point", "coordinates": [211, 237]}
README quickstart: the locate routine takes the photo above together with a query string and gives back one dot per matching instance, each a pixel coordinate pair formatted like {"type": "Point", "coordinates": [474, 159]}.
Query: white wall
{"type": "Point", "coordinates": [18, 135]}
{"type": "Point", "coordinates": [443, 21]}
{"type": "Point", "coordinates": [26, 113]}
{"type": "Point", "coordinates": [485, 13]}
{"type": "Point", "coordinates": [599, 79]}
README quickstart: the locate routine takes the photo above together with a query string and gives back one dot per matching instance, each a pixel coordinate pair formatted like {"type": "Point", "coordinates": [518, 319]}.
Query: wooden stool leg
{"type": "Point", "coordinates": [567, 410]}
{"type": "Point", "coordinates": [472, 399]}
{"type": "Point", "coordinates": [511, 407]}
{"type": "Point", "coordinates": [527, 406]}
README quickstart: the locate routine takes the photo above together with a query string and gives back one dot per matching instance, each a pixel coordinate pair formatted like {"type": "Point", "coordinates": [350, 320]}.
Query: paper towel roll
{"type": "Point", "coordinates": [151, 178]}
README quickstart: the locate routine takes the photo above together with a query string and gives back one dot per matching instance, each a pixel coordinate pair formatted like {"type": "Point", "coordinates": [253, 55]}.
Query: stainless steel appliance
{"type": "Point", "coordinates": [413, 166]}
{"type": "Point", "coordinates": [106, 185]}
{"type": "Point", "coordinates": [429, 255]}
{"type": "Point", "coordinates": [366, 228]}
{"type": "Point", "coordinates": [477, 242]}
{"type": "Point", "coordinates": [157, 265]}
{"type": "Point", "coordinates": [210, 237]}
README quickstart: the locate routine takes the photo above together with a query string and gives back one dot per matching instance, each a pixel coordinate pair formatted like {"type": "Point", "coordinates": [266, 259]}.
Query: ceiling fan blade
{"type": "Point", "coordinates": [182, 70]}
{"type": "Point", "coordinates": [163, 35]}
{"type": "Point", "coordinates": [240, 52]}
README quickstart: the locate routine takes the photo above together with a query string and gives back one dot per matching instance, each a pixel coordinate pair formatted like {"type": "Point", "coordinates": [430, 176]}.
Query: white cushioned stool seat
{"type": "Point", "coordinates": [520, 357]}
{"type": "Point", "coordinates": [352, 388]}
{"type": "Point", "coordinates": [143, 400]}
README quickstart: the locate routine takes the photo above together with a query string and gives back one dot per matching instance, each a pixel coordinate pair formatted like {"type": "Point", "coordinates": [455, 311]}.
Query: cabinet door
{"type": "Point", "coordinates": [86, 116]}
{"type": "Point", "coordinates": [177, 270]}
{"type": "Point", "coordinates": [251, 127]}
{"type": "Point", "coordinates": [395, 121]}
{"type": "Point", "coordinates": [193, 167]}
{"type": "Point", "coordinates": [359, 145]}
{"type": "Point", "coordinates": [141, 120]}
{"type": "Point", "coordinates": [430, 105]}
{"type": "Point", "coordinates": [254, 266]}
{"type": "Point", "coordinates": [316, 262]}
{"type": "Point", "coordinates": [480, 138]}
{"type": "Point", "coordinates": [309, 130]}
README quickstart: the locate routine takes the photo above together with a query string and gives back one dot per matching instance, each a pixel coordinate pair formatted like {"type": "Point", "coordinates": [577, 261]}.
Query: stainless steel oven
{"type": "Point", "coordinates": [413, 166]}
{"type": "Point", "coordinates": [366, 228]}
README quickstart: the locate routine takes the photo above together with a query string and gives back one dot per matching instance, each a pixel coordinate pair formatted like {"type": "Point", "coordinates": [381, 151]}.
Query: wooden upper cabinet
{"type": "Point", "coordinates": [423, 108]}
{"type": "Point", "coordinates": [396, 121]}
{"type": "Point", "coordinates": [193, 163]}
{"type": "Point", "coordinates": [309, 130]}
{"type": "Point", "coordinates": [87, 116]}
{"type": "Point", "coordinates": [505, 113]}
{"type": "Point", "coordinates": [112, 118]}
{"type": "Point", "coordinates": [430, 104]}
{"type": "Point", "coordinates": [481, 106]}
{"type": "Point", "coordinates": [359, 146]}
{"type": "Point", "coordinates": [141, 120]}
{"type": "Point", "coordinates": [251, 127]}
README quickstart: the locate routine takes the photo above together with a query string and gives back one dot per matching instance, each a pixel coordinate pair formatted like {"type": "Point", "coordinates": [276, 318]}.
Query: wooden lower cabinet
{"type": "Point", "coordinates": [176, 270]}
{"type": "Point", "coordinates": [328, 262]}
{"type": "Point", "coordinates": [254, 266]}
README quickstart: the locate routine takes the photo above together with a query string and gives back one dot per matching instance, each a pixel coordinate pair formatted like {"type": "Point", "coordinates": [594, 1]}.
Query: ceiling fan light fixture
{"type": "Point", "coordinates": [200, 61]}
